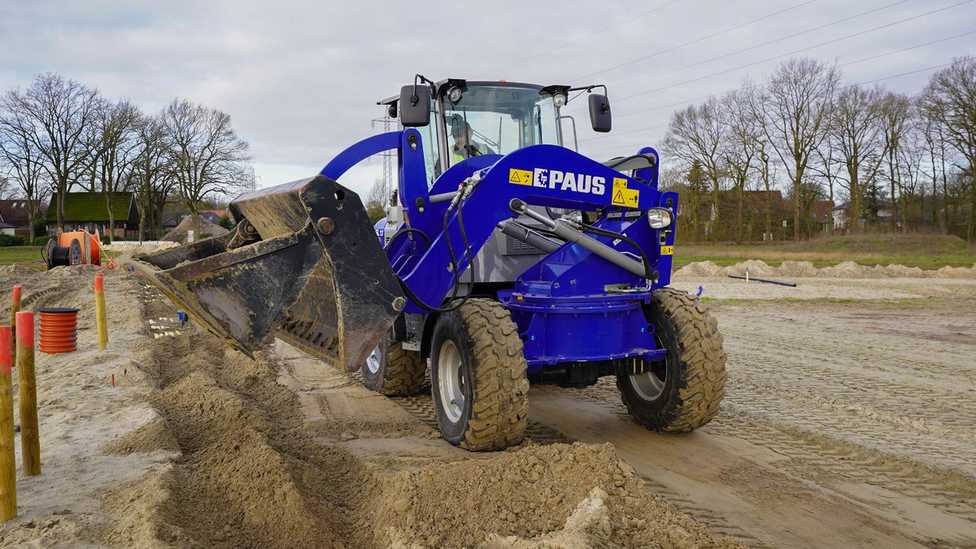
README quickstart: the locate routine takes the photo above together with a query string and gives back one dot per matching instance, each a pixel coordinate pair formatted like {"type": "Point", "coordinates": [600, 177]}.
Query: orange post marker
{"type": "Point", "coordinates": [8, 463]}
{"type": "Point", "coordinates": [14, 308]}
{"type": "Point", "coordinates": [30, 441]}
{"type": "Point", "coordinates": [100, 311]}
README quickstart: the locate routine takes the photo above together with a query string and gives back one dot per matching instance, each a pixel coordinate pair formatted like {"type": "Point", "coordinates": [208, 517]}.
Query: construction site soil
{"type": "Point", "coordinates": [849, 421]}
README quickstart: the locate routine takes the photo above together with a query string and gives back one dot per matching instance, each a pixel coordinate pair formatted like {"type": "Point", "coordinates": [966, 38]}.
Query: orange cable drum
{"type": "Point", "coordinates": [59, 330]}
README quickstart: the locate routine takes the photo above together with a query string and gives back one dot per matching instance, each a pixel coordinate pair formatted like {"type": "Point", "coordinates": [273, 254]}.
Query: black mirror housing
{"type": "Point", "coordinates": [600, 117]}
{"type": "Point", "coordinates": [414, 105]}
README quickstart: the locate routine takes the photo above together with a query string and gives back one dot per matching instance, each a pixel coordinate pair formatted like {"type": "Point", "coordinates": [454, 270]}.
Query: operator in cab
{"type": "Point", "coordinates": [464, 145]}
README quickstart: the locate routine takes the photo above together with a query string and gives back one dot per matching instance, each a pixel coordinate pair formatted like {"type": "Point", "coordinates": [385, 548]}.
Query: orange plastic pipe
{"type": "Point", "coordinates": [59, 330]}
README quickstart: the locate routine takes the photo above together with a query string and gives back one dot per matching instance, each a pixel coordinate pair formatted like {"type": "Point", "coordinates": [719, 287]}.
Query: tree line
{"type": "Point", "coordinates": [59, 135]}
{"type": "Point", "coordinates": [899, 162]}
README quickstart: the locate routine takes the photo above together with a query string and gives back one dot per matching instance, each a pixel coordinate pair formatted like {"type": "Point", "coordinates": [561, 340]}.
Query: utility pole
{"type": "Point", "coordinates": [387, 158]}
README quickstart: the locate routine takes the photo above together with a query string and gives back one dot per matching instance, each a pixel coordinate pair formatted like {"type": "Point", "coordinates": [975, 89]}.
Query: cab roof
{"type": "Point", "coordinates": [442, 84]}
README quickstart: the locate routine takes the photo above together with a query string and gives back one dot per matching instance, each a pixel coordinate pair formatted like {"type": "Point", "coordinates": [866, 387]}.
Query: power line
{"type": "Point", "coordinates": [915, 47]}
{"type": "Point", "coordinates": [694, 41]}
{"type": "Point", "coordinates": [854, 62]}
{"type": "Point", "coordinates": [597, 30]}
{"type": "Point", "coordinates": [862, 83]}
{"type": "Point", "coordinates": [794, 35]}
{"type": "Point", "coordinates": [794, 52]}
{"type": "Point", "coordinates": [899, 75]}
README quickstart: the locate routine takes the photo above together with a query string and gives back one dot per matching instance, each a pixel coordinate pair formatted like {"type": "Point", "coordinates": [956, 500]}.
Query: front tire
{"type": "Point", "coordinates": [392, 371]}
{"type": "Point", "coordinates": [478, 377]}
{"type": "Point", "coordinates": [684, 392]}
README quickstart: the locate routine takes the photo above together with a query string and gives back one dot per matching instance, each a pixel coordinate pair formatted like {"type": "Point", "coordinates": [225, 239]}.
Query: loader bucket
{"type": "Point", "coordinates": [303, 263]}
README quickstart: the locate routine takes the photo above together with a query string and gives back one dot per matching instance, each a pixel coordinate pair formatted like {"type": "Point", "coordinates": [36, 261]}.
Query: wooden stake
{"type": "Point", "coordinates": [14, 307]}
{"type": "Point", "coordinates": [100, 311]}
{"type": "Point", "coordinates": [30, 442]}
{"type": "Point", "coordinates": [8, 463]}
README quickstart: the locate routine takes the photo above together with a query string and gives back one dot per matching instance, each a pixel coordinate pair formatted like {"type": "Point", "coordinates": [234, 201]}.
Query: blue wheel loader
{"type": "Point", "coordinates": [506, 257]}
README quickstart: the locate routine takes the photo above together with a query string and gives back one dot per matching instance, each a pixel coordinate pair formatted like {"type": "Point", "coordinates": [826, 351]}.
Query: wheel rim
{"type": "Point", "coordinates": [373, 360]}
{"type": "Point", "coordinates": [650, 384]}
{"type": "Point", "coordinates": [450, 381]}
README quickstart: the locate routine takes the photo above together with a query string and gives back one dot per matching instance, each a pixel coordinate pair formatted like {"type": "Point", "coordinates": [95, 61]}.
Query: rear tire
{"type": "Point", "coordinates": [683, 392]}
{"type": "Point", "coordinates": [392, 371]}
{"type": "Point", "coordinates": [478, 377]}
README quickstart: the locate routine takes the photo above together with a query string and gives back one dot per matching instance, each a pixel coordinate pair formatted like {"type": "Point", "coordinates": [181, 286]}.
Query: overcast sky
{"type": "Point", "coordinates": [301, 79]}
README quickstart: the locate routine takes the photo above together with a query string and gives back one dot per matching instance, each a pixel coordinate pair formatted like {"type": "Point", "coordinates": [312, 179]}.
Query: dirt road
{"type": "Point", "coordinates": [849, 421]}
{"type": "Point", "coordinates": [844, 424]}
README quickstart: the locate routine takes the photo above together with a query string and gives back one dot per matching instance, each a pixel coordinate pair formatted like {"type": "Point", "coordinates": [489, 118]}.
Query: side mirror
{"type": "Point", "coordinates": [600, 117]}
{"type": "Point", "coordinates": [414, 105]}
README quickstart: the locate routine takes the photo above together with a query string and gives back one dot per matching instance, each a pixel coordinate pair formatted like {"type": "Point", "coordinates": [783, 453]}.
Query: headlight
{"type": "Point", "coordinates": [559, 100]}
{"type": "Point", "coordinates": [659, 218]}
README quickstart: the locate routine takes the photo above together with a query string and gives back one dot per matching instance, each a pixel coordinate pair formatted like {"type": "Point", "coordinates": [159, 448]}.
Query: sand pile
{"type": "Point", "coordinates": [200, 446]}
{"type": "Point", "coordinates": [201, 229]}
{"type": "Point", "coordinates": [805, 269]}
{"type": "Point", "coordinates": [81, 410]}
{"type": "Point", "coordinates": [251, 475]}
{"type": "Point", "coordinates": [248, 476]}
{"type": "Point", "coordinates": [540, 496]}
{"type": "Point", "coordinates": [136, 247]}
{"type": "Point", "coordinates": [20, 269]}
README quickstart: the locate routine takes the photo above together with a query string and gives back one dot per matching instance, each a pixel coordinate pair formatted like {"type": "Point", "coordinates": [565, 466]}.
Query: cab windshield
{"type": "Point", "coordinates": [498, 120]}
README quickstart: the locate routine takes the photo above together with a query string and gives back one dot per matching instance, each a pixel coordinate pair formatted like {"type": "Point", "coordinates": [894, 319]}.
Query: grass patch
{"type": "Point", "coordinates": [28, 255]}
{"type": "Point", "coordinates": [899, 304]}
{"type": "Point", "coordinates": [923, 251]}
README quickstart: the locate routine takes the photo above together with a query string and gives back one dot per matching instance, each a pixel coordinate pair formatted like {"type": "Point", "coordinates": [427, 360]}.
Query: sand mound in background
{"type": "Point", "coordinates": [134, 246]}
{"type": "Point", "coordinates": [805, 269]}
{"type": "Point", "coordinates": [201, 229]}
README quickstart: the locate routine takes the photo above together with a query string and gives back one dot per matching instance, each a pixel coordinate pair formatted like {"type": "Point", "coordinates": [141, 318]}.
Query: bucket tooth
{"type": "Point", "coordinates": [303, 264]}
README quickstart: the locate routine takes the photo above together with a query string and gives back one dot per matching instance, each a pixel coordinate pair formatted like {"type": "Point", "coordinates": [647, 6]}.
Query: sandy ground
{"type": "Point", "coordinates": [849, 421]}
{"type": "Point", "coordinates": [199, 446]}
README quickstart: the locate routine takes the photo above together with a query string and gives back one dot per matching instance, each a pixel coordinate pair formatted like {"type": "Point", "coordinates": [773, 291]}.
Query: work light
{"type": "Point", "coordinates": [659, 218]}
{"type": "Point", "coordinates": [454, 94]}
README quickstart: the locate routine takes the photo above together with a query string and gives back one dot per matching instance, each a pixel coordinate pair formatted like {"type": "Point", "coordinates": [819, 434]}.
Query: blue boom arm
{"type": "Point", "coordinates": [541, 175]}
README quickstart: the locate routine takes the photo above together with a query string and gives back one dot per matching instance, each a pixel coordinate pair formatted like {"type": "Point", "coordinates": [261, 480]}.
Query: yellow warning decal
{"type": "Point", "coordinates": [667, 250]}
{"type": "Point", "coordinates": [622, 196]}
{"type": "Point", "coordinates": [519, 177]}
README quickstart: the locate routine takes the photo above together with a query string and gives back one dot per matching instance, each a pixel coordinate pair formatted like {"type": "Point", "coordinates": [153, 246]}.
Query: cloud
{"type": "Point", "coordinates": [300, 79]}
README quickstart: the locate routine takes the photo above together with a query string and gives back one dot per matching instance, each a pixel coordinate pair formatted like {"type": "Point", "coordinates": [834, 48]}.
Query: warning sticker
{"type": "Point", "coordinates": [667, 250]}
{"type": "Point", "coordinates": [622, 196]}
{"type": "Point", "coordinates": [520, 177]}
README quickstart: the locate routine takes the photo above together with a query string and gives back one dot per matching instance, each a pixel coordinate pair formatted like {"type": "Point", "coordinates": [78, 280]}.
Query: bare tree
{"type": "Point", "coordinates": [744, 135]}
{"type": "Point", "coordinates": [950, 100]}
{"type": "Point", "coordinates": [911, 190]}
{"type": "Point", "coordinates": [151, 175]}
{"type": "Point", "coordinates": [20, 158]}
{"type": "Point", "coordinates": [697, 134]}
{"type": "Point", "coordinates": [207, 156]}
{"type": "Point", "coordinates": [767, 175]}
{"type": "Point", "coordinates": [59, 111]}
{"type": "Point", "coordinates": [935, 145]}
{"type": "Point", "coordinates": [795, 109]}
{"type": "Point", "coordinates": [895, 116]}
{"type": "Point", "coordinates": [116, 148]}
{"type": "Point", "coordinates": [856, 132]}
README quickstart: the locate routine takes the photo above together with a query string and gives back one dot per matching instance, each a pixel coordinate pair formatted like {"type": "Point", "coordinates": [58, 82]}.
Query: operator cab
{"type": "Point", "coordinates": [494, 118]}
{"type": "Point", "coordinates": [474, 118]}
